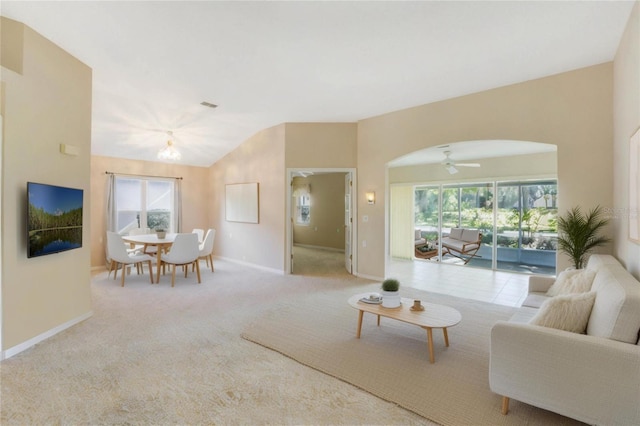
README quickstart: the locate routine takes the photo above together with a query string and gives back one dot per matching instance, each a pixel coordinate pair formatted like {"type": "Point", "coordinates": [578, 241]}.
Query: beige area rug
{"type": "Point", "coordinates": [391, 361]}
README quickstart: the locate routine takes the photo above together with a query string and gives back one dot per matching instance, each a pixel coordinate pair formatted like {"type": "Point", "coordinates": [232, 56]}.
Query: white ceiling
{"type": "Point", "coordinates": [266, 63]}
{"type": "Point", "coordinates": [472, 150]}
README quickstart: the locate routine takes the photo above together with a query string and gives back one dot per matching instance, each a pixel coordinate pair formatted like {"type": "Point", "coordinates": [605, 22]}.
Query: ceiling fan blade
{"type": "Point", "coordinates": [467, 164]}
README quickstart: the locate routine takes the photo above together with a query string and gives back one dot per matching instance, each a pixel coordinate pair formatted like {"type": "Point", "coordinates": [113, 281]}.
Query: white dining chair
{"type": "Point", "coordinates": [206, 248]}
{"type": "Point", "coordinates": [200, 233]}
{"type": "Point", "coordinates": [184, 251]}
{"type": "Point", "coordinates": [118, 256]}
{"type": "Point", "coordinates": [137, 247]}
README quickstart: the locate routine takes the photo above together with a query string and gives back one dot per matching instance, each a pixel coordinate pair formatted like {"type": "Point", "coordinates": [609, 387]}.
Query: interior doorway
{"type": "Point", "coordinates": [320, 228]}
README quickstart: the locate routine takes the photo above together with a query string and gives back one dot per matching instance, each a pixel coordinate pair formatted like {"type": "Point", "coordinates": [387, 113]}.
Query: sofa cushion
{"type": "Point", "coordinates": [572, 281]}
{"type": "Point", "coordinates": [456, 233]}
{"type": "Point", "coordinates": [597, 261]}
{"type": "Point", "coordinates": [568, 312]}
{"type": "Point", "coordinates": [616, 311]}
{"type": "Point", "coordinates": [470, 235]}
{"type": "Point", "coordinates": [535, 300]}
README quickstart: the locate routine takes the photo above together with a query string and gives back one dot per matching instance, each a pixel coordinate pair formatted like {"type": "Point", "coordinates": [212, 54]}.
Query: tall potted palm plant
{"type": "Point", "coordinates": [579, 233]}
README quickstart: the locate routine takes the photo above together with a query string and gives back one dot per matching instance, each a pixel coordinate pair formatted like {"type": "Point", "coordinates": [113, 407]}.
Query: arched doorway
{"type": "Point", "coordinates": [505, 189]}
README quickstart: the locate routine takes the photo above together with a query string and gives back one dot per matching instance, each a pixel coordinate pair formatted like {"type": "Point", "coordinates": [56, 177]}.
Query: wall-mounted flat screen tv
{"type": "Point", "coordinates": [54, 222]}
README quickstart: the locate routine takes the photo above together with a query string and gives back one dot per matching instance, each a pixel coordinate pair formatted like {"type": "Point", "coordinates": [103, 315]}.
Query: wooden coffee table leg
{"type": "Point", "coordinates": [378, 320]}
{"type": "Point", "coordinates": [430, 341]}
{"type": "Point", "coordinates": [446, 336]}
{"type": "Point", "coordinates": [360, 314]}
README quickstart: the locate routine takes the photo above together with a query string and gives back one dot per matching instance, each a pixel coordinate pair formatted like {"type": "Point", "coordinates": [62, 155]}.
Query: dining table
{"type": "Point", "coordinates": [152, 240]}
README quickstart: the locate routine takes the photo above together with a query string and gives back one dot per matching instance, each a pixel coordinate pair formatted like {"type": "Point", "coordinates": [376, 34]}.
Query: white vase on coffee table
{"type": "Point", "coordinates": [390, 299]}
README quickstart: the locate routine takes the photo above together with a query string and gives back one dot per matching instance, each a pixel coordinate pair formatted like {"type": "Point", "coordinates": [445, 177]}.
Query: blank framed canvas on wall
{"type": "Point", "coordinates": [242, 202]}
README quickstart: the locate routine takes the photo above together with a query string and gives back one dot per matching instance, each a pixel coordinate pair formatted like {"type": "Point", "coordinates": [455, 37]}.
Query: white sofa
{"type": "Point", "coordinates": [592, 377]}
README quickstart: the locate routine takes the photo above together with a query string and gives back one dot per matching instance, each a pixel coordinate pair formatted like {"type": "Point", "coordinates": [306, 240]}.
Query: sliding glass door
{"type": "Point", "coordinates": [518, 224]}
{"type": "Point", "coordinates": [427, 211]}
{"type": "Point", "coordinates": [527, 226]}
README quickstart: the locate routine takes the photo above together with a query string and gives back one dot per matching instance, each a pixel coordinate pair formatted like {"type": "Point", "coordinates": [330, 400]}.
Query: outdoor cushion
{"type": "Point", "coordinates": [470, 235]}
{"type": "Point", "coordinates": [456, 233]}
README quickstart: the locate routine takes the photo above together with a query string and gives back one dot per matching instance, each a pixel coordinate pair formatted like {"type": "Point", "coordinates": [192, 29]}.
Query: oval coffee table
{"type": "Point", "coordinates": [433, 316]}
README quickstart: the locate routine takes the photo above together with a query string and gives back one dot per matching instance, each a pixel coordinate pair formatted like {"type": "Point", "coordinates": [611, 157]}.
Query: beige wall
{"type": "Point", "coordinates": [626, 112]}
{"type": "Point", "coordinates": [320, 145]}
{"type": "Point", "coordinates": [47, 101]}
{"type": "Point", "coordinates": [264, 158]}
{"type": "Point", "coordinates": [259, 159]}
{"type": "Point", "coordinates": [570, 110]}
{"type": "Point", "coordinates": [195, 208]}
{"type": "Point", "coordinates": [326, 227]}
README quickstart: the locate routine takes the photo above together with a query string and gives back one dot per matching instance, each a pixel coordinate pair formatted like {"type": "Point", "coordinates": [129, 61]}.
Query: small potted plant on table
{"type": "Point", "coordinates": [161, 233]}
{"type": "Point", "coordinates": [390, 293]}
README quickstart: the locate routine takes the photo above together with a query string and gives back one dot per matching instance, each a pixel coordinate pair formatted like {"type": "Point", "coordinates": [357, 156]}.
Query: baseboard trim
{"type": "Point", "coordinates": [41, 337]}
{"type": "Point", "coordinates": [369, 277]}
{"type": "Point", "coordinates": [251, 265]}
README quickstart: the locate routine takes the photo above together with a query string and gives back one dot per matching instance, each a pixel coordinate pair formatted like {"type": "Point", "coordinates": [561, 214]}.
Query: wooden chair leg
{"type": "Point", "coordinates": [505, 405]}
{"type": "Point", "coordinates": [211, 262]}
{"type": "Point", "coordinates": [198, 270]}
{"type": "Point", "coordinates": [150, 271]}
{"type": "Point", "coordinates": [173, 275]}
{"type": "Point", "coordinates": [123, 274]}
{"type": "Point", "coordinates": [111, 263]}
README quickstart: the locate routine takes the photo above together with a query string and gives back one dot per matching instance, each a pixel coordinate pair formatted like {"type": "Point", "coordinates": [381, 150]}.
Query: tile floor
{"type": "Point", "coordinates": [499, 287]}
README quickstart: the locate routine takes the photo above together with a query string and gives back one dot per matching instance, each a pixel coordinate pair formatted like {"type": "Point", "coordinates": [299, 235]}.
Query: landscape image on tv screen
{"type": "Point", "coordinates": [54, 221]}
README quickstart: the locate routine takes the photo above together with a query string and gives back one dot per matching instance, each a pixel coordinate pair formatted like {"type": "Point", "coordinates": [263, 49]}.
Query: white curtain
{"type": "Point", "coordinates": [401, 220]}
{"type": "Point", "coordinates": [112, 213]}
{"type": "Point", "coordinates": [177, 205]}
{"type": "Point", "coordinates": [112, 210]}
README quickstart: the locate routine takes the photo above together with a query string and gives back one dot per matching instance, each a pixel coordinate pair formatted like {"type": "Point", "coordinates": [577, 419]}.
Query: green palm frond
{"type": "Point", "coordinates": [578, 233]}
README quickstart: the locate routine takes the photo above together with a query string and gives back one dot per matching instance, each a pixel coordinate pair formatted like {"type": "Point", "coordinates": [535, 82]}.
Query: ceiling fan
{"type": "Point", "coordinates": [450, 165]}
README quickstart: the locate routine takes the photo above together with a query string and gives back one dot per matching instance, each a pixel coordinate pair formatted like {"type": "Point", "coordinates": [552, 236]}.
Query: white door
{"type": "Point", "coordinates": [348, 221]}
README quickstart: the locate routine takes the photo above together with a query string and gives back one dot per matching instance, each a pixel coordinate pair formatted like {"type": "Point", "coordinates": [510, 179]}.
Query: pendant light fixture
{"type": "Point", "coordinates": [169, 152]}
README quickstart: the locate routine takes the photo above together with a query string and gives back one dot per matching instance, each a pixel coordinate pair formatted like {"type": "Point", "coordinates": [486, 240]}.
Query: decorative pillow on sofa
{"type": "Point", "coordinates": [572, 281]}
{"type": "Point", "coordinates": [566, 312]}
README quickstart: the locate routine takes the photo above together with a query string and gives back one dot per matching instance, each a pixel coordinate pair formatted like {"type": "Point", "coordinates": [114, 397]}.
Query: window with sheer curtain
{"type": "Point", "coordinates": [302, 196]}
{"type": "Point", "coordinates": [145, 203]}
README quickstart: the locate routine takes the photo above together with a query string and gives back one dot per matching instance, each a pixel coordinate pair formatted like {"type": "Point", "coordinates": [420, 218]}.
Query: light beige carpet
{"type": "Point", "coordinates": [391, 361]}
{"type": "Point", "coordinates": [318, 262]}
{"type": "Point", "coordinates": [156, 355]}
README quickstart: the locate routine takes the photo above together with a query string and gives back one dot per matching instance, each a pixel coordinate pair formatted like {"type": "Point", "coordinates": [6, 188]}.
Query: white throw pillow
{"type": "Point", "coordinates": [572, 281]}
{"type": "Point", "coordinates": [567, 312]}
